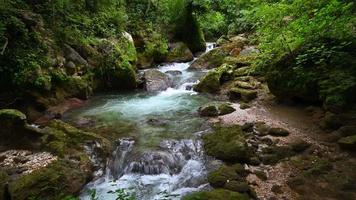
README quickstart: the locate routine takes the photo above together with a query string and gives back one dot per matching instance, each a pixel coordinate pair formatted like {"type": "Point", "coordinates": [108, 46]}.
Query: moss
{"type": "Point", "coordinates": [218, 194]}
{"type": "Point", "coordinates": [220, 177]}
{"type": "Point", "coordinates": [278, 132]}
{"type": "Point", "coordinates": [209, 111]}
{"type": "Point", "coordinates": [179, 53]}
{"type": "Point", "coordinates": [242, 94]}
{"type": "Point", "coordinates": [227, 144]}
{"type": "Point", "coordinates": [61, 138]}
{"type": "Point", "coordinates": [209, 60]}
{"type": "Point", "coordinates": [210, 83]}
{"type": "Point", "coordinates": [273, 155]}
{"type": "Point", "coordinates": [57, 180]}
{"type": "Point", "coordinates": [348, 142]}
{"type": "Point", "coordinates": [77, 87]}
{"type": "Point", "coordinates": [225, 109]}
{"type": "Point", "coordinates": [3, 184]}
{"type": "Point", "coordinates": [10, 117]}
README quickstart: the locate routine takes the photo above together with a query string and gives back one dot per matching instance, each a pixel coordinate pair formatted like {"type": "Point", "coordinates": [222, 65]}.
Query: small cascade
{"type": "Point", "coordinates": [162, 157]}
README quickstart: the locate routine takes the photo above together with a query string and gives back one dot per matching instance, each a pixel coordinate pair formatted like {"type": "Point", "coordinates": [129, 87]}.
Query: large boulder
{"type": "Point", "coordinates": [213, 110]}
{"type": "Point", "coordinates": [209, 60]}
{"type": "Point", "coordinates": [212, 81]}
{"type": "Point", "coordinates": [244, 95]}
{"type": "Point", "coordinates": [156, 81]}
{"type": "Point", "coordinates": [179, 52]}
{"type": "Point", "coordinates": [227, 144]}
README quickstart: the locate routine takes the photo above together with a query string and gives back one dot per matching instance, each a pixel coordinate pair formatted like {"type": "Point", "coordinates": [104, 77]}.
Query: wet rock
{"type": "Point", "coordinates": [156, 81]}
{"type": "Point", "coordinates": [174, 72]}
{"type": "Point", "coordinates": [227, 144]}
{"type": "Point", "coordinates": [217, 194]}
{"type": "Point", "coordinates": [242, 94]}
{"type": "Point", "coordinates": [279, 132]}
{"type": "Point", "coordinates": [210, 83]}
{"type": "Point", "coordinates": [209, 111]}
{"type": "Point", "coordinates": [179, 52]}
{"type": "Point", "coordinates": [348, 142]}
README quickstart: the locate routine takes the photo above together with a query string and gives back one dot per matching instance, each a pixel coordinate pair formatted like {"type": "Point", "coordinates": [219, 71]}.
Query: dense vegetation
{"type": "Point", "coordinates": [53, 50]}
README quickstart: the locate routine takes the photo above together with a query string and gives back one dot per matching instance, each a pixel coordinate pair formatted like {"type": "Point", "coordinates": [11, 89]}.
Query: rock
{"type": "Point", "coordinates": [179, 52]}
{"type": "Point", "coordinates": [299, 145]}
{"type": "Point", "coordinates": [156, 81]}
{"type": "Point", "coordinates": [244, 85]}
{"type": "Point", "coordinates": [227, 144]}
{"type": "Point", "coordinates": [225, 109]}
{"type": "Point", "coordinates": [220, 177]}
{"type": "Point", "coordinates": [10, 118]}
{"type": "Point", "coordinates": [249, 50]}
{"type": "Point", "coordinates": [209, 60]}
{"type": "Point", "coordinates": [72, 55]}
{"type": "Point", "coordinates": [144, 62]}
{"type": "Point", "coordinates": [174, 72]}
{"type": "Point", "coordinates": [348, 142]}
{"type": "Point", "coordinates": [57, 111]}
{"type": "Point", "coordinates": [244, 105]}
{"type": "Point", "coordinates": [156, 122]}
{"type": "Point", "coordinates": [261, 175]}
{"type": "Point", "coordinates": [331, 121]}
{"type": "Point", "coordinates": [212, 81]}
{"type": "Point", "coordinates": [209, 111]}
{"type": "Point", "coordinates": [238, 39]}
{"type": "Point", "coordinates": [242, 94]}
{"type": "Point", "coordinates": [217, 194]}
{"type": "Point", "coordinates": [261, 128]}
{"type": "Point", "coordinates": [222, 40]}
{"type": "Point", "coordinates": [4, 178]}
{"type": "Point", "coordinates": [346, 131]}
{"type": "Point", "coordinates": [237, 186]}
{"type": "Point", "coordinates": [272, 155]}
{"type": "Point", "coordinates": [70, 68]}
{"type": "Point", "coordinates": [278, 132]}
{"type": "Point", "coordinates": [242, 71]}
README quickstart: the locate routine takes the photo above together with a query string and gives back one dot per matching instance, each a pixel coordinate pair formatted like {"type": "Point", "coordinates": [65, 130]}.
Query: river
{"type": "Point", "coordinates": [159, 154]}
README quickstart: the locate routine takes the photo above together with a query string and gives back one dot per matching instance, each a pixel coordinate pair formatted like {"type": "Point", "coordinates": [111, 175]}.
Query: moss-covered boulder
{"type": "Point", "coordinates": [348, 142]}
{"type": "Point", "coordinates": [56, 181]}
{"type": "Point", "coordinates": [179, 52]}
{"type": "Point", "coordinates": [227, 144]}
{"type": "Point", "coordinates": [212, 81]}
{"type": "Point", "coordinates": [278, 132]}
{"type": "Point", "coordinates": [209, 60]}
{"type": "Point", "coordinates": [220, 177]}
{"type": "Point", "coordinates": [225, 109]}
{"type": "Point", "coordinates": [117, 60]}
{"type": "Point", "coordinates": [244, 95]}
{"type": "Point", "coordinates": [209, 110]}
{"type": "Point", "coordinates": [15, 132]}
{"type": "Point", "coordinates": [217, 194]}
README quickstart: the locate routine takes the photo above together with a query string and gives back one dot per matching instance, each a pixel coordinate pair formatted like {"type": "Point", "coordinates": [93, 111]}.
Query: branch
{"type": "Point", "coordinates": [4, 47]}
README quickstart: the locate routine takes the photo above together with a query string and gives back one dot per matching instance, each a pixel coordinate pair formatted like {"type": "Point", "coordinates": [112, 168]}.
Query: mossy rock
{"type": "Point", "coordinates": [227, 144]}
{"type": "Point", "coordinates": [272, 155]}
{"type": "Point", "coordinates": [179, 52]}
{"type": "Point", "coordinates": [278, 132]}
{"type": "Point", "coordinates": [210, 83]}
{"type": "Point", "coordinates": [77, 87]}
{"type": "Point", "coordinates": [217, 194]}
{"type": "Point", "coordinates": [61, 138]}
{"type": "Point", "coordinates": [220, 177]}
{"type": "Point", "coordinates": [209, 110]}
{"type": "Point", "coordinates": [209, 60]}
{"type": "Point", "coordinates": [4, 178]}
{"type": "Point", "coordinates": [225, 109]}
{"type": "Point", "coordinates": [59, 179]}
{"type": "Point", "coordinates": [15, 132]}
{"type": "Point", "coordinates": [242, 94]}
{"type": "Point", "coordinates": [242, 71]}
{"type": "Point", "coordinates": [348, 142]}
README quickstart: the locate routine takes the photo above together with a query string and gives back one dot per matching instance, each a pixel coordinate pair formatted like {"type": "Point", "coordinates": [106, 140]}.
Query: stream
{"type": "Point", "coordinates": [159, 154]}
